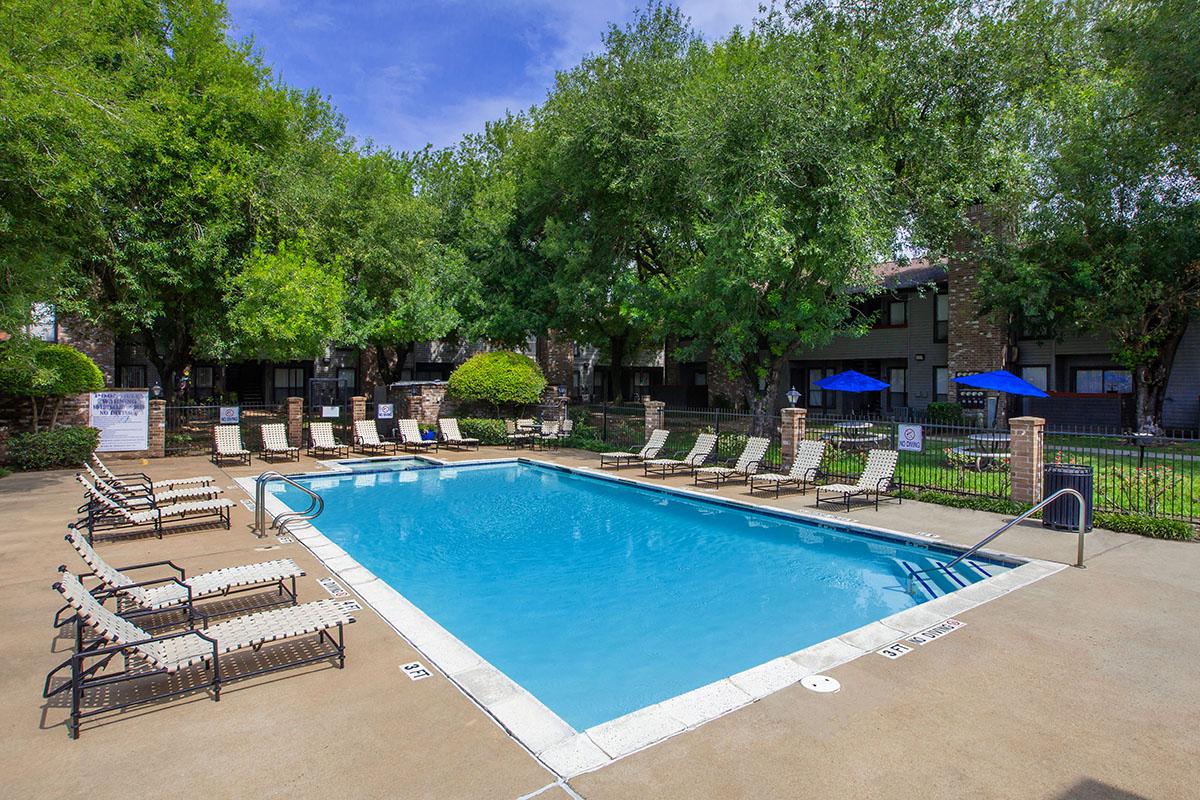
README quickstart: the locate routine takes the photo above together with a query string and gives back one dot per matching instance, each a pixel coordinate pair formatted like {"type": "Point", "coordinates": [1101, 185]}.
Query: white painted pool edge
{"type": "Point", "coordinates": [568, 752]}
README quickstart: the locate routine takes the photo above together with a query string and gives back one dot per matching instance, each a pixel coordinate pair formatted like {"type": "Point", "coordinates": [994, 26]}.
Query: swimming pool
{"type": "Point", "coordinates": [601, 597]}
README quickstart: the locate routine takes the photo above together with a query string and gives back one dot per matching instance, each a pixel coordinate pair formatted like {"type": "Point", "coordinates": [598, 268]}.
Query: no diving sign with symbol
{"type": "Point", "coordinates": [910, 437]}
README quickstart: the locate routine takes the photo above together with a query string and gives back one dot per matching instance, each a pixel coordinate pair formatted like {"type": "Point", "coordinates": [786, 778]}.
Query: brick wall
{"type": "Point", "coordinates": [725, 389]}
{"type": "Point", "coordinates": [977, 342]}
{"type": "Point", "coordinates": [423, 401]}
{"type": "Point", "coordinates": [1025, 464]}
{"type": "Point", "coordinates": [556, 357]}
{"type": "Point", "coordinates": [96, 342]}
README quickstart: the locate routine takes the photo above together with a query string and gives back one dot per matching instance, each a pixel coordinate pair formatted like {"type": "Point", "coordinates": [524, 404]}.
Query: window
{"type": "Point", "coordinates": [1038, 376]}
{"type": "Point", "coordinates": [897, 312]}
{"type": "Point", "coordinates": [700, 378]}
{"type": "Point", "coordinates": [44, 323]}
{"type": "Point", "coordinates": [347, 378]}
{"type": "Point", "coordinates": [1103, 381]}
{"type": "Point", "coordinates": [204, 377]}
{"type": "Point", "coordinates": [941, 317]}
{"type": "Point", "coordinates": [898, 391]}
{"type": "Point", "coordinates": [816, 395]}
{"type": "Point", "coordinates": [289, 382]}
{"type": "Point", "coordinates": [641, 379]}
{"type": "Point", "coordinates": [131, 376]}
{"type": "Point", "coordinates": [941, 384]}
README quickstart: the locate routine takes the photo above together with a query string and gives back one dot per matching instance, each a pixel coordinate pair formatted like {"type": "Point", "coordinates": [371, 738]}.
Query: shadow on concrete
{"type": "Point", "coordinates": [1088, 789]}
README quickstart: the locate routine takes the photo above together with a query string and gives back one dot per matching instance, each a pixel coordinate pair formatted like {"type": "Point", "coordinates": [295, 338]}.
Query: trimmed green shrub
{"type": "Point", "coordinates": [1154, 527]}
{"type": "Point", "coordinates": [50, 449]}
{"type": "Point", "coordinates": [487, 431]}
{"type": "Point", "coordinates": [945, 413]}
{"type": "Point", "coordinates": [42, 372]}
{"type": "Point", "coordinates": [498, 379]}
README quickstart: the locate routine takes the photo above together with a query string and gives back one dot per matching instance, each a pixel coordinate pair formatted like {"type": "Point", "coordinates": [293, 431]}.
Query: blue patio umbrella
{"type": "Point", "coordinates": [1001, 381]}
{"type": "Point", "coordinates": [851, 381]}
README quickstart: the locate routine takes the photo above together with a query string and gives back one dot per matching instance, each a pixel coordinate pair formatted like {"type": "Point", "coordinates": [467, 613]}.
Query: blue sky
{"type": "Point", "coordinates": [409, 73]}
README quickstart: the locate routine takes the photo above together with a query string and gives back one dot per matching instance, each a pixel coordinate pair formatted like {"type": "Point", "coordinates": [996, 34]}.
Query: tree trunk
{"type": "Point", "coordinates": [391, 369]}
{"type": "Point", "coordinates": [1150, 379]}
{"type": "Point", "coordinates": [34, 418]}
{"type": "Point", "coordinates": [763, 403]}
{"type": "Point", "coordinates": [616, 359]}
{"type": "Point", "coordinates": [54, 415]}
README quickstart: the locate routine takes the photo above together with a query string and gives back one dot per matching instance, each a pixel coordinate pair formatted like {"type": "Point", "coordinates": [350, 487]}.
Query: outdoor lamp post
{"type": "Point", "coordinates": [793, 396]}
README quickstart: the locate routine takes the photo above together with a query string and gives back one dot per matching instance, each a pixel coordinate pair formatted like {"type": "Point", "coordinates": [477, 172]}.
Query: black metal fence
{"type": "Point", "coordinates": [189, 427]}
{"type": "Point", "coordinates": [1152, 476]}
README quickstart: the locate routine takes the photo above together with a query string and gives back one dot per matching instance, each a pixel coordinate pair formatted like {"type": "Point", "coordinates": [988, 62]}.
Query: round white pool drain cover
{"type": "Point", "coordinates": [820, 683]}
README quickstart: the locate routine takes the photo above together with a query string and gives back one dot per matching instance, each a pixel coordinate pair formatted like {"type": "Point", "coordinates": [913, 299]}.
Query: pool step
{"type": "Point", "coordinates": [939, 580]}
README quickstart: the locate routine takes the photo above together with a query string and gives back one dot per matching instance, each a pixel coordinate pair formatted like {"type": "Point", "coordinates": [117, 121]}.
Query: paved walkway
{"type": "Point", "coordinates": [1082, 685]}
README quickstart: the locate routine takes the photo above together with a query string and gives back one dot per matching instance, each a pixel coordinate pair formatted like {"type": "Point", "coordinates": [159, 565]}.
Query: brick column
{"type": "Point", "coordinates": [295, 421]}
{"type": "Point", "coordinates": [157, 442]}
{"type": "Point", "coordinates": [358, 408]}
{"type": "Point", "coordinates": [655, 418]}
{"type": "Point", "coordinates": [1025, 466]}
{"type": "Point", "coordinates": [794, 421]}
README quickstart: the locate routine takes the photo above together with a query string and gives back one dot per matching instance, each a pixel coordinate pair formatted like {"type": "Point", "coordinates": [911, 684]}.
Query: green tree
{"type": "Point", "coordinates": [46, 373]}
{"type": "Point", "coordinates": [1108, 230]}
{"type": "Point", "coordinates": [285, 306]}
{"type": "Point", "coordinates": [609, 212]}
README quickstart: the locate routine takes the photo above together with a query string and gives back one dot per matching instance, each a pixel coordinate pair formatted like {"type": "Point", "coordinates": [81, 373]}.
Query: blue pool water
{"type": "Point", "coordinates": [599, 597]}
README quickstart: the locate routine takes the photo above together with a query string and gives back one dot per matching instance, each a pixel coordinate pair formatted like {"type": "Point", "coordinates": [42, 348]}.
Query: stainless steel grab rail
{"type": "Point", "coordinates": [315, 506]}
{"type": "Point", "coordinates": [985, 540]}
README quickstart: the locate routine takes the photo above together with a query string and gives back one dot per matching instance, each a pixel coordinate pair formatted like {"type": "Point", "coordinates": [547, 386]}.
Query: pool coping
{"type": "Point", "coordinates": [568, 752]}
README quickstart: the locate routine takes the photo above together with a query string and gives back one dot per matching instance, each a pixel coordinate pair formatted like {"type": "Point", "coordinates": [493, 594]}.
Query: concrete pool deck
{"type": "Point", "coordinates": [1080, 685]}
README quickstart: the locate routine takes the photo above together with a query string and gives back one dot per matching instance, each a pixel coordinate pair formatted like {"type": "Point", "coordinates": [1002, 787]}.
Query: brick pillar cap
{"type": "Point", "coordinates": [1027, 420]}
{"type": "Point", "coordinates": [797, 410]}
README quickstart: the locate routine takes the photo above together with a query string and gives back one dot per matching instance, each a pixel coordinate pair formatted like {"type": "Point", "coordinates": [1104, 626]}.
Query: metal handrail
{"type": "Point", "coordinates": [985, 540]}
{"type": "Point", "coordinates": [315, 506]}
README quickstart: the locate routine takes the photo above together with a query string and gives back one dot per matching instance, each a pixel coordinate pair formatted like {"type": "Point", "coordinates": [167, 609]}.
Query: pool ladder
{"type": "Point", "coordinates": [315, 506]}
{"type": "Point", "coordinates": [916, 576]}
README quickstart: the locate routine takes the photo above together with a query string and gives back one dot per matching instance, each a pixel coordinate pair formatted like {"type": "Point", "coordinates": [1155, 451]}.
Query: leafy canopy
{"type": "Point", "coordinates": [285, 305]}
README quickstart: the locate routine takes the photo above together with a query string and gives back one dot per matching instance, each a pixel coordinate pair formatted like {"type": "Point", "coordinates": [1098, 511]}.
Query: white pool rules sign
{"type": "Point", "coordinates": [123, 419]}
{"type": "Point", "coordinates": [910, 437]}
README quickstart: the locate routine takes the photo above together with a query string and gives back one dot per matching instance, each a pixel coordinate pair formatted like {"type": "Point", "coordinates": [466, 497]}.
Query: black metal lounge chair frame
{"type": "Point", "coordinates": [102, 592]}
{"type": "Point", "coordinates": [801, 483]}
{"type": "Point", "coordinates": [718, 478]}
{"type": "Point", "coordinates": [242, 458]}
{"type": "Point", "coordinates": [98, 517]}
{"type": "Point", "coordinates": [883, 488]}
{"type": "Point", "coordinates": [83, 677]}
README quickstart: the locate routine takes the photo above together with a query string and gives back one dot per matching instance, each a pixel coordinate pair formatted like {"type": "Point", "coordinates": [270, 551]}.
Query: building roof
{"type": "Point", "coordinates": [909, 274]}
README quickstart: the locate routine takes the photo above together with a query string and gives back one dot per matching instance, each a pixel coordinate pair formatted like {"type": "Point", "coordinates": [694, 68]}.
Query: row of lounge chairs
{"type": "Point", "coordinates": [227, 440]}
{"type": "Point", "coordinates": [878, 477]}
{"type": "Point", "coordinates": [160, 626]}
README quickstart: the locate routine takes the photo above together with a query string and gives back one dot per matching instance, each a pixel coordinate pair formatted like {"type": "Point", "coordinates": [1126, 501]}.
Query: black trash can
{"type": "Point", "coordinates": [1063, 513]}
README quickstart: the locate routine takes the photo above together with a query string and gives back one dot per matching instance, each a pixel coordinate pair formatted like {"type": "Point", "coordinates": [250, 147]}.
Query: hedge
{"type": "Point", "coordinates": [50, 449]}
{"type": "Point", "coordinates": [1153, 527]}
{"type": "Point", "coordinates": [487, 431]}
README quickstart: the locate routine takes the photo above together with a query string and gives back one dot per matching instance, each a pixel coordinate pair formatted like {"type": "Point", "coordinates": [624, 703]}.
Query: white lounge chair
{"type": "Point", "coordinates": [321, 441]}
{"type": "Point", "coordinates": [517, 436]}
{"type": "Point", "coordinates": [139, 480]}
{"type": "Point", "coordinates": [104, 513]}
{"type": "Point", "coordinates": [166, 654]}
{"type": "Point", "coordinates": [140, 496]}
{"type": "Point", "coordinates": [227, 443]}
{"type": "Point", "coordinates": [701, 449]}
{"type": "Point", "coordinates": [366, 438]}
{"type": "Point", "coordinates": [802, 474]}
{"type": "Point", "coordinates": [878, 476]}
{"type": "Point", "coordinates": [275, 443]}
{"type": "Point", "coordinates": [649, 451]}
{"type": "Point", "coordinates": [452, 437]}
{"type": "Point", "coordinates": [747, 464]}
{"type": "Point", "coordinates": [410, 437]}
{"type": "Point", "coordinates": [178, 590]}
{"type": "Point", "coordinates": [549, 433]}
